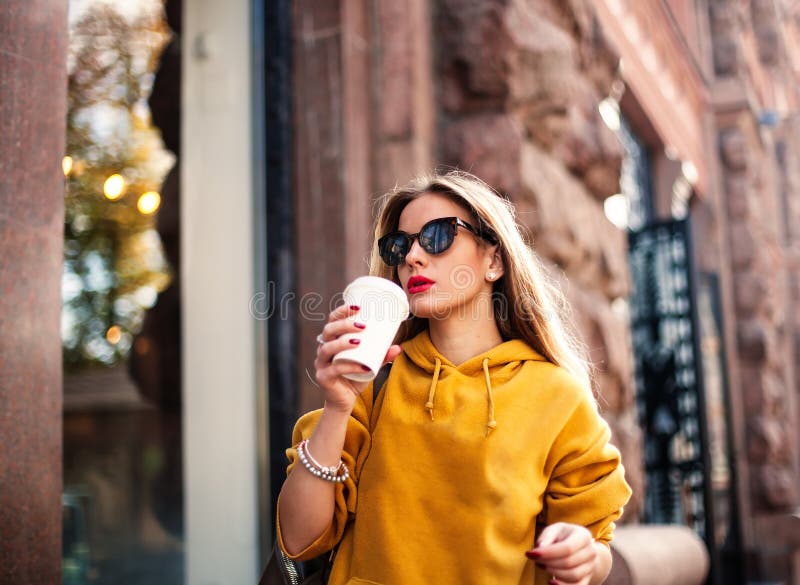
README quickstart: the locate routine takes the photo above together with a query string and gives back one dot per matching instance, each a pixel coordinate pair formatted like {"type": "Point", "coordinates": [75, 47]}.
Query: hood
{"type": "Point", "coordinates": [495, 366]}
{"type": "Point", "coordinates": [422, 352]}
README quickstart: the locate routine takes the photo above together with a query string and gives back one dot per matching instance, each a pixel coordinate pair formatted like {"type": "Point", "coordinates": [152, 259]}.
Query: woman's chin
{"type": "Point", "coordinates": [426, 309]}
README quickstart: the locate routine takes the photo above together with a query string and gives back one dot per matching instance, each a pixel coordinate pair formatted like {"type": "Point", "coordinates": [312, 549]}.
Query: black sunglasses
{"type": "Point", "coordinates": [435, 237]}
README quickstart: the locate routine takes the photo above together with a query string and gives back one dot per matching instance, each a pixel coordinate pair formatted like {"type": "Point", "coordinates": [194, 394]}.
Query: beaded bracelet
{"type": "Point", "coordinates": [332, 469]}
{"type": "Point", "coordinates": [335, 473]}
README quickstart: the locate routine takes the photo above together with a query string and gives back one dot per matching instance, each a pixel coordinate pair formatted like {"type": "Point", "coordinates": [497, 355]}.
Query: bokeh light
{"type": "Point", "coordinates": [616, 210]}
{"type": "Point", "coordinates": [114, 187]}
{"type": "Point", "coordinates": [609, 112]}
{"type": "Point", "coordinates": [149, 202]}
{"type": "Point", "coordinates": [114, 334]}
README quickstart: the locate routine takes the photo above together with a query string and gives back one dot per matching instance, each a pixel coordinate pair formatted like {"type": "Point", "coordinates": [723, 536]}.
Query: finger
{"type": "Point", "coordinates": [562, 539]}
{"type": "Point", "coordinates": [341, 344]}
{"type": "Point", "coordinates": [392, 352]}
{"type": "Point", "coordinates": [576, 576]}
{"type": "Point", "coordinates": [568, 560]}
{"type": "Point", "coordinates": [552, 534]}
{"type": "Point", "coordinates": [338, 369]}
{"type": "Point", "coordinates": [343, 311]}
{"type": "Point", "coordinates": [570, 576]}
{"type": "Point", "coordinates": [334, 329]}
{"type": "Point", "coordinates": [554, 552]}
{"type": "Point", "coordinates": [579, 557]}
{"type": "Point", "coordinates": [328, 350]}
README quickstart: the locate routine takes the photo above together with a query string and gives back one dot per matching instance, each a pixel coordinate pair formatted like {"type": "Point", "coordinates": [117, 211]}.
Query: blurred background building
{"type": "Point", "coordinates": [187, 185]}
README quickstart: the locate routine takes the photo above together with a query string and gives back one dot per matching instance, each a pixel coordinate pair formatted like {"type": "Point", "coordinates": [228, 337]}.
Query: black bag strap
{"type": "Point", "coordinates": [378, 383]}
{"type": "Point", "coordinates": [380, 380]}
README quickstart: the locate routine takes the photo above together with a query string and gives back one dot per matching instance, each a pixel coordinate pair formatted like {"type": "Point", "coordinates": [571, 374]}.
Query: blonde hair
{"type": "Point", "coordinates": [531, 307]}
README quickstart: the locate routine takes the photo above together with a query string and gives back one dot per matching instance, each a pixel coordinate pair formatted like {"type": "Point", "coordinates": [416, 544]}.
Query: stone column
{"type": "Point", "coordinates": [331, 139]}
{"type": "Point", "coordinates": [658, 555]}
{"type": "Point", "coordinates": [33, 104]}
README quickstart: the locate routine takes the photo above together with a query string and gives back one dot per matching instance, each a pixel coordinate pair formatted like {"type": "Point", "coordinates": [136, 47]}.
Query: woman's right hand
{"type": "Point", "coordinates": [341, 393]}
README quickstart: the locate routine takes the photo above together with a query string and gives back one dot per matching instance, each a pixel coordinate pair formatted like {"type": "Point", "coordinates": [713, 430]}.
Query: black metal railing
{"type": "Point", "coordinates": [671, 399]}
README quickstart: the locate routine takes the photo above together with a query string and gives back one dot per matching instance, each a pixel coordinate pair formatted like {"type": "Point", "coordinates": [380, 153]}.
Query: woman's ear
{"type": "Point", "coordinates": [495, 269]}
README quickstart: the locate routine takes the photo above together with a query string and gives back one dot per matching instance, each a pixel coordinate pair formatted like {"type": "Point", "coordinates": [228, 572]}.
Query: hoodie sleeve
{"type": "Point", "coordinates": [356, 446]}
{"type": "Point", "coordinates": [587, 484]}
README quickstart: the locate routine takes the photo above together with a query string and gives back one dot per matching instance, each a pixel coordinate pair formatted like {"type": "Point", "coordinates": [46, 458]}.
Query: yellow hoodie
{"type": "Point", "coordinates": [451, 471]}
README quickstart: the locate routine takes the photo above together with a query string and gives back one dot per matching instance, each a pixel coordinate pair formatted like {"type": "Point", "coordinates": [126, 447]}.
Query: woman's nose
{"type": "Point", "coordinates": [416, 255]}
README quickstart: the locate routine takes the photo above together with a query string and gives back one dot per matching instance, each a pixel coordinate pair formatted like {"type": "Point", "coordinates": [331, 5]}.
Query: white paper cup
{"type": "Point", "coordinates": [383, 307]}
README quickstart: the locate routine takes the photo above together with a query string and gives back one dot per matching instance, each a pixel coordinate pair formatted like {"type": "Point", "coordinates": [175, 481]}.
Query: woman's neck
{"type": "Point", "coordinates": [460, 339]}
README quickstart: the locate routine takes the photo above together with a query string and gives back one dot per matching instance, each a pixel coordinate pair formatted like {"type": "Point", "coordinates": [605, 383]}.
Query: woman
{"type": "Point", "coordinates": [483, 459]}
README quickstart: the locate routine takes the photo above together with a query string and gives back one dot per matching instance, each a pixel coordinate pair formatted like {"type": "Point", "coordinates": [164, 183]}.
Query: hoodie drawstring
{"type": "Point", "coordinates": [492, 423]}
{"type": "Point", "coordinates": [432, 392]}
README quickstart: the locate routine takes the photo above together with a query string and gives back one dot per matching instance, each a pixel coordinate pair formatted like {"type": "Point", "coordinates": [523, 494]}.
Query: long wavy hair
{"type": "Point", "coordinates": [526, 301]}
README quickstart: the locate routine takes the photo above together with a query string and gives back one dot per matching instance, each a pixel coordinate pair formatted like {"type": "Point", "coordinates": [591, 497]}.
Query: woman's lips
{"type": "Point", "coordinates": [421, 287]}
{"type": "Point", "coordinates": [419, 283]}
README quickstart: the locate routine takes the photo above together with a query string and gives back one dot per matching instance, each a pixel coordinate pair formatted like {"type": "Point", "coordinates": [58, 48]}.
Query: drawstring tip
{"type": "Point", "coordinates": [429, 408]}
{"type": "Point", "coordinates": [432, 392]}
{"type": "Point", "coordinates": [490, 426]}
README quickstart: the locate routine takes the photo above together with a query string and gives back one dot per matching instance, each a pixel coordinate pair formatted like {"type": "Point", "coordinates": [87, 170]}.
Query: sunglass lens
{"type": "Point", "coordinates": [393, 248]}
{"type": "Point", "coordinates": [437, 236]}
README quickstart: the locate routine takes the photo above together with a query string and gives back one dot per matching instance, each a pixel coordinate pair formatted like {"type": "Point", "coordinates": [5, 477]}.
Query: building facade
{"type": "Point", "coordinates": [676, 119]}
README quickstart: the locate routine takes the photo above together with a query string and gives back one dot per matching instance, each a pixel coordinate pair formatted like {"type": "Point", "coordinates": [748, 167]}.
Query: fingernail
{"type": "Point", "coordinates": [355, 341]}
{"type": "Point", "coordinates": [354, 307]}
{"type": "Point", "coordinates": [360, 325]}
{"type": "Point", "coordinates": [552, 582]}
{"type": "Point", "coordinates": [365, 368]}
{"type": "Point", "coordinates": [532, 554]}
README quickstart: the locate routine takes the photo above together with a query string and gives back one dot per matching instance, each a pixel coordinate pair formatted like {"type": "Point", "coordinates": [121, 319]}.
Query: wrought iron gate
{"type": "Point", "coordinates": [671, 399]}
{"type": "Point", "coordinates": [668, 376]}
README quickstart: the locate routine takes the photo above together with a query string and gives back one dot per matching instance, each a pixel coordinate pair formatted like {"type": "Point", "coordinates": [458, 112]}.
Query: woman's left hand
{"type": "Point", "coordinates": [567, 552]}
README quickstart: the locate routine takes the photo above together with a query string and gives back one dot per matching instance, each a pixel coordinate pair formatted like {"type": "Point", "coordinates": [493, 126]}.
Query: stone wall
{"type": "Point", "coordinates": [756, 106]}
{"type": "Point", "coordinates": [758, 152]}
{"type": "Point", "coordinates": [520, 82]}
{"type": "Point", "coordinates": [760, 292]}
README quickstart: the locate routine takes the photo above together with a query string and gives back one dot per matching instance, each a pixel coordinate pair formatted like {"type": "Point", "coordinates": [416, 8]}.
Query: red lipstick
{"type": "Point", "coordinates": [419, 283]}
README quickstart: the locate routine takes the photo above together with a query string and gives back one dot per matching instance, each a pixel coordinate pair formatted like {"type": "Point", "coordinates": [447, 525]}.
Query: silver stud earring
{"type": "Point", "coordinates": [490, 276]}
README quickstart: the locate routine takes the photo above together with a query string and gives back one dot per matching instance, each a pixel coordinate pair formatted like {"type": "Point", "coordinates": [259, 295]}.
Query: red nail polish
{"type": "Point", "coordinates": [365, 368]}
{"type": "Point", "coordinates": [360, 325]}
{"type": "Point", "coordinates": [355, 341]}
{"type": "Point", "coordinates": [354, 307]}
{"type": "Point", "coordinates": [533, 554]}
